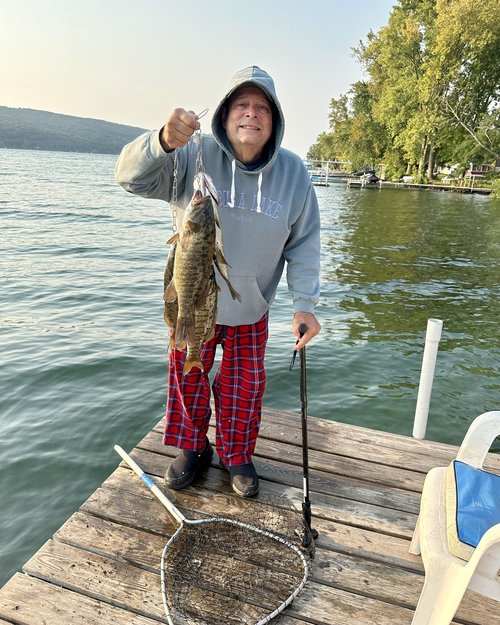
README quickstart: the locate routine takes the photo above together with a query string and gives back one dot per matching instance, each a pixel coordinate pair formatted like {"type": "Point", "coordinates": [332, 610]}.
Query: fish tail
{"type": "Point", "coordinates": [190, 364]}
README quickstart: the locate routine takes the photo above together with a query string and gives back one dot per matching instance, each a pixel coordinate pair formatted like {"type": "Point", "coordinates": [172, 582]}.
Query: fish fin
{"type": "Point", "coordinates": [234, 292]}
{"type": "Point", "coordinates": [219, 257]}
{"type": "Point", "coordinates": [188, 230]}
{"type": "Point", "coordinates": [189, 364]}
{"type": "Point", "coordinates": [169, 267]}
{"type": "Point", "coordinates": [184, 330]}
{"type": "Point", "coordinates": [170, 294]}
{"type": "Point", "coordinates": [170, 315]}
{"type": "Point", "coordinates": [219, 261]}
{"type": "Point", "coordinates": [181, 347]}
{"type": "Point", "coordinates": [217, 218]}
{"type": "Point", "coordinates": [173, 239]}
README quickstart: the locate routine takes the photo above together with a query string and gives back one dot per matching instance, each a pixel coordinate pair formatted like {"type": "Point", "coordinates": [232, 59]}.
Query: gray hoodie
{"type": "Point", "coordinates": [269, 213]}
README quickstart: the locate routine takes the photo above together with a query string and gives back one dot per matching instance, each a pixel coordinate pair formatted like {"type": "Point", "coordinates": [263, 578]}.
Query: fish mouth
{"type": "Point", "coordinates": [197, 196]}
{"type": "Point", "coordinates": [203, 188]}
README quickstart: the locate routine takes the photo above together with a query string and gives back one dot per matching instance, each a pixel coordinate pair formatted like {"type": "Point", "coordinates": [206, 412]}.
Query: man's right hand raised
{"type": "Point", "coordinates": [178, 130]}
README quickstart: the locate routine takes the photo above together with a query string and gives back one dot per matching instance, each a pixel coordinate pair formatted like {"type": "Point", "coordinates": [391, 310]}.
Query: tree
{"type": "Point", "coordinates": [432, 89]}
{"type": "Point", "coordinates": [395, 58]}
{"type": "Point", "coordinates": [354, 134]}
{"type": "Point", "coordinates": [367, 137]}
{"type": "Point", "coordinates": [465, 64]}
{"type": "Point", "coordinates": [323, 149]}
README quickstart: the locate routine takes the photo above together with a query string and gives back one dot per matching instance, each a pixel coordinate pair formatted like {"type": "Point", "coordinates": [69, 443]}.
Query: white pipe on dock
{"type": "Point", "coordinates": [432, 338]}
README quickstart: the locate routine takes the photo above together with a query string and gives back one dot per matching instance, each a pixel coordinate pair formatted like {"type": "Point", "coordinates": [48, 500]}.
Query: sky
{"type": "Point", "coordinates": [133, 61]}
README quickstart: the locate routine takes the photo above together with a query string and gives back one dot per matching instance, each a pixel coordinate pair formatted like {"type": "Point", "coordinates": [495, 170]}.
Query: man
{"type": "Point", "coordinates": [270, 217]}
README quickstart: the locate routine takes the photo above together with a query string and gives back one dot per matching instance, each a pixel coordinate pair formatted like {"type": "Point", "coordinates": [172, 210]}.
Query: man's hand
{"type": "Point", "coordinates": [312, 324]}
{"type": "Point", "coordinates": [178, 130]}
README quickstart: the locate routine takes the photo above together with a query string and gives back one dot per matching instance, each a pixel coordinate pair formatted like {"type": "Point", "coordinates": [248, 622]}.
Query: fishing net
{"type": "Point", "coordinates": [224, 570]}
{"type": "Point", "coordinates": [244, 570]}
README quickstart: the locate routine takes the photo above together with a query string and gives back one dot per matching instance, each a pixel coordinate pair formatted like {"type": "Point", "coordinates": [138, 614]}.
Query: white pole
{"type": "Point", "coordinates": [432, 338]}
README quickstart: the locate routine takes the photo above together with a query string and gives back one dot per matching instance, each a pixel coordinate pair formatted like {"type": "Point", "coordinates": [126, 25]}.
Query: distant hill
{"type": "Point", "coordinates": [30, 129]}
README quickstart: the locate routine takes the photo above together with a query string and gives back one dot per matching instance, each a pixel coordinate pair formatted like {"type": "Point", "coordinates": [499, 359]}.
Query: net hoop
{"type": "Point", "coordinates": [248, 527]}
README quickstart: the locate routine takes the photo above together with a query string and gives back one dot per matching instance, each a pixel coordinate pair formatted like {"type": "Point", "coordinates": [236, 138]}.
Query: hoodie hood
{"type": "Point", "coordinates": [251, 76]}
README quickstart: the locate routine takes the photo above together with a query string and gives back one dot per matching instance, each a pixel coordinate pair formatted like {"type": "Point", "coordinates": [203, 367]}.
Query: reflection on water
{"type": "Point", "coordinates": [407, 255]}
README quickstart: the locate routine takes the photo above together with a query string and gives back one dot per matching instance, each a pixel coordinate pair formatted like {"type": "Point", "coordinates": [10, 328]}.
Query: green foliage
{"type": "Point", "coordinates": [433, 87]}
{"type": "Point", "coordinates": [495, 185]}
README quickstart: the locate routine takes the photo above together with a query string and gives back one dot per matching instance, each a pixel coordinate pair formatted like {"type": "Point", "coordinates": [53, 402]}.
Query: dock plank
{"type": "Point", "coordinates": [140, 511]}
{"type": "Point", "coordinates": [366, 443]}
{"type": "Point", "coordinates": [103, 537]}
{"type": "Point", "coordinates": [286, 471]}
{"type": "Point", "coordinates": [328, 506]}
{"type": "Point", "coordinates": [103, 579]}
{"type": "Point", "coordinates": [136, 590]}
{"type": "Point", "coordinates": [102, 565]}
{"type": "Point", "coordinates": [30, 601]}
{"type": "Point", "coordinates": [351, 573]}
{"type": "Point", "coordinates": [363, 470]}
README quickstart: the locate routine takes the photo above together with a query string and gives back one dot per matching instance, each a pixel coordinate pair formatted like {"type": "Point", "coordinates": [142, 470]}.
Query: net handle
{"type": "Point", "coordinates": [174, 511]}
{"type": "Point", "coordinates": [306, 504]}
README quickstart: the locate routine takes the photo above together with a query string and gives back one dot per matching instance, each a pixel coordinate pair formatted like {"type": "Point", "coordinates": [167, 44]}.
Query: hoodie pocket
{"type": "Point", "coordinates": [251, 308]}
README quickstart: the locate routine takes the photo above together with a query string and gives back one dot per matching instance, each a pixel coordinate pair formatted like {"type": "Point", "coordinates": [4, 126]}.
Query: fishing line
{"type": "Point", "coordinates": [199, 167]}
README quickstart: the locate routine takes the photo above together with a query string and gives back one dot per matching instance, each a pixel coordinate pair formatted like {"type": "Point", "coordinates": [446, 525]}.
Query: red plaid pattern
{"type": "Point", "coordinates": [238, 388]}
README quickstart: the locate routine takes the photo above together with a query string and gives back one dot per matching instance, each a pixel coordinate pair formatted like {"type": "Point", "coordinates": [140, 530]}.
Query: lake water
{"type": "Point", "coordinates": [83, 343]}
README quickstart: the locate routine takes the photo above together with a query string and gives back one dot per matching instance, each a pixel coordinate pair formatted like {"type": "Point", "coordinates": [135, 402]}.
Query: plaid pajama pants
{"type": "Point", "coordinates": [238, 387]}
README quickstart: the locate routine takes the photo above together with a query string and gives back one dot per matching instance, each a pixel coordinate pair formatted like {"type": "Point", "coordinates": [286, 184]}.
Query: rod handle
{"type": "Point", "coordinates": [175, 512]}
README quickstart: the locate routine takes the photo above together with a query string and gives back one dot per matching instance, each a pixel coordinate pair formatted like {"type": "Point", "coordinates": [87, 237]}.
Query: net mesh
{"type": "Point", "coordinates": [220, 573]}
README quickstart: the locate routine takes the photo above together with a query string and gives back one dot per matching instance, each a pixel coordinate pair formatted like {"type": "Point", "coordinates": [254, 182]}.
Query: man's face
{"type": "Point", "coordinates": [248, 123]}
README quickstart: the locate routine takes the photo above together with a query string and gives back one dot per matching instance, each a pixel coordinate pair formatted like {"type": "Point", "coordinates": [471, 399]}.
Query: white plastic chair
{"type": "Point", "coordinates": [446, 576]}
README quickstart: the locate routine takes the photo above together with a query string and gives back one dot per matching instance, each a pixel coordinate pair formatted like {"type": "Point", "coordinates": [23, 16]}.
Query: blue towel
{"type": "Point", "coordinates": [478, 502]}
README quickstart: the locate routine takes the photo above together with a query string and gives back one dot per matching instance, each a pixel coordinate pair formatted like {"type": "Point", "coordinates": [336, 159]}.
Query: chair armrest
{"type": "Point", "coordinates": [479, 438]}
{"type": "Point", "coordinates": [489, 539]}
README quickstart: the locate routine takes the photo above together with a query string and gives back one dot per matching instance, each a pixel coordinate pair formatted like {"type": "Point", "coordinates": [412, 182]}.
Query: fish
{"type": "Point", "coordinates": [190, 287]}
{"type": "Point", "coordinates": [170, 308]}
{"type": "Point", "coordinates": [205, 318]}
{"type": "Point", "coordinates": [192, 267]}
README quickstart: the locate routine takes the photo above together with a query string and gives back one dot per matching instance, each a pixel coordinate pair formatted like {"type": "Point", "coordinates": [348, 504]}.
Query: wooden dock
{"type": "Point", "coordinates": [102, 566]}
{"type": "Point", "coordinates": [434, 187]}
{"type": "Point", "coordinates": [362, 183]}
{"type": "Point", "coordinates": [455, 188]}
{"type": "Point", "coordinates": [359, 182]}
